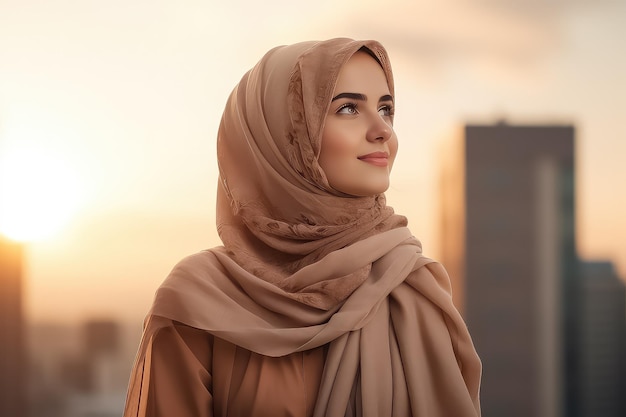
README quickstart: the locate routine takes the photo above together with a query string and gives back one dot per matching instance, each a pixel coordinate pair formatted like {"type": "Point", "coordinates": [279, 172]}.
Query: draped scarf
{"type": "Point", "coordinates": [304, 265]}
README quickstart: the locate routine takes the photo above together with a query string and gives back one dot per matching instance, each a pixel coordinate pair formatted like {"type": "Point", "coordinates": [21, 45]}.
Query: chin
{"type": "Point", "coordinates": [368, 191]}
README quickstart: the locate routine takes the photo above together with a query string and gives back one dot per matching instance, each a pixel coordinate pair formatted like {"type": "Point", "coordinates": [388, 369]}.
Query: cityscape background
{"type": "Point", "coordinates": [108, 118]}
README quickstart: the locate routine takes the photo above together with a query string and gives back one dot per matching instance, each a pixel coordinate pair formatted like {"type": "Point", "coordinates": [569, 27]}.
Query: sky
{"type": "Point", "coordinates": [109, 113]}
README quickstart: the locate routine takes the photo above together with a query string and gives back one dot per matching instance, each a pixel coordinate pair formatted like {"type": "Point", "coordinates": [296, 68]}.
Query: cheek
{"type": "Point", "coordinates": [335, 146]}
{"type": "Point", "coordinates": [393, 148]}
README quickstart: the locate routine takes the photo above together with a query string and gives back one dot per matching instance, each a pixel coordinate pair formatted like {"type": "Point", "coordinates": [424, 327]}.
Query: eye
{"type": "Point", "coordinates": [348, 108]}
{"type": "Point", "coordinates": [386, 110]}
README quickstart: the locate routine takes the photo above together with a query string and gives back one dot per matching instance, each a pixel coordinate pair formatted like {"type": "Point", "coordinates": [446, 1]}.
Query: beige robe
{"type": "Point", "coordinates": [192, 373]}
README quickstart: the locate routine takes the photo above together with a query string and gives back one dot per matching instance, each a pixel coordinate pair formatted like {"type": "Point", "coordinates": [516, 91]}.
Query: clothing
{"type": "Point", "coordinates": [224, 379]}
{"type": "Point", "coordinates": [398, 335]}
{"type": "Point", "coordinates": [306, 274]}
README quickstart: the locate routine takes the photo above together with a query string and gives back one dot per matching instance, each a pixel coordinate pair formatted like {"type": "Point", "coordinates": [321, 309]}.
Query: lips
{"type": "Point", "coordinates": [380, 159]}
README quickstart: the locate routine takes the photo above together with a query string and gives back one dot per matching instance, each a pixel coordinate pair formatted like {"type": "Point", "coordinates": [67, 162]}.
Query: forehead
{"type": "Point", "coordinates": [362, 72]}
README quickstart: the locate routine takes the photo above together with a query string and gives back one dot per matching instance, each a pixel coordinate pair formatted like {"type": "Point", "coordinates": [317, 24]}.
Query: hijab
{"type": "Point", "coordinates": [276, 211]}
{"type": "Point", "coordinates": [304, 265]}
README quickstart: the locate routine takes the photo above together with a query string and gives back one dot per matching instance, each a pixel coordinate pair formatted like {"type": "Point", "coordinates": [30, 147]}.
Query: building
{"type": "Point", "coordinates": [12, 352]}
{"type": "Point", "coordinates": [100, 389]}
{"type": "Point", "coordinates": [80, 371]}
{"type": "Point", "coordinates": [508, 242]}
{"type": "Point", "coordinates": [603, 341]}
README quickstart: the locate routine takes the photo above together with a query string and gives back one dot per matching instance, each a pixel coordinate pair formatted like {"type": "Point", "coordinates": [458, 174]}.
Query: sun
{"type": "Point", "coordinates": [38, 194]}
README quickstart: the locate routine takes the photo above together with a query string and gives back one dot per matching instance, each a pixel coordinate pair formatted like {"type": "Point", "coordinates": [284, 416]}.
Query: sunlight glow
{"type": "Point", "coordinates": [38, 194]}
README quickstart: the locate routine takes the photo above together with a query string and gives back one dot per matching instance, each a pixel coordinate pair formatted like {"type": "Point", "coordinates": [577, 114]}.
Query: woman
{"type": "Point", "coordinates": [320, 302]}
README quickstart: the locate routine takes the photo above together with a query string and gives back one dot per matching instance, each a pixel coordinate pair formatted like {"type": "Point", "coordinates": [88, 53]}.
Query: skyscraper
{"type": "Point", "coordinates": [508, 242]}
{"type": "Point", "coordinates": [603, 341]}
{"type": "Point", "coordinates": [12, 349]}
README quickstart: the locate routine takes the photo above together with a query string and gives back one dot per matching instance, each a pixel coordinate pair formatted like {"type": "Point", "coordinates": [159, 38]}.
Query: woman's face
{"type": "Point", "coordinates": [358, 142]}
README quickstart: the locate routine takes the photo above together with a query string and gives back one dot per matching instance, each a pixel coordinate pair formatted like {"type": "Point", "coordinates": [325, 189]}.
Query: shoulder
{"type": "Point", "coordinates": [203, 259]}
{"type": "Point", "coordinates": [169, 335]}
{"type": "Point", "coordinates": [429, 273]}
{"type": "Point", "coordinates": [199, 266]}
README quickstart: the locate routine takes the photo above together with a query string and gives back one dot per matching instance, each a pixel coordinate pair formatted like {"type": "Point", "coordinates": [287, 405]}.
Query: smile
{"type": "Point", "coordinates": [380, 159]}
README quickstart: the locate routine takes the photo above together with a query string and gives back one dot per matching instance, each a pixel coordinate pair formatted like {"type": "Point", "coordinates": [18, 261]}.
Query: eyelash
{"type": "Point", "coordinates": [388, 108]}
{"type": "Point", "coordinates": [355, 108]}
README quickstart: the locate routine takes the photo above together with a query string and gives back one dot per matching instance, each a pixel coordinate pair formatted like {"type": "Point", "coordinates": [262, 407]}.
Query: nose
{"type": "Point", "coordinates": [379, 130]}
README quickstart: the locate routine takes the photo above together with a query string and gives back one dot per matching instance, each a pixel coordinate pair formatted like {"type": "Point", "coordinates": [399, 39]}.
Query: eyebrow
{"type": "Point", "coordinates": [361, 97]}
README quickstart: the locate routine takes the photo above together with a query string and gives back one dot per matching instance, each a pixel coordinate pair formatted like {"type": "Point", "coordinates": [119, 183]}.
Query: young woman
{"type": "Point", "coordinates": [320, 303]}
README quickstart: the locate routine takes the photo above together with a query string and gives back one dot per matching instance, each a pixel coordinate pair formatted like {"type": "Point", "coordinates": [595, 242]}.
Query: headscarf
{"type": "Point", "coordinates": [304, 265]}
{"type": "Point", "coordinates": [276, 211]}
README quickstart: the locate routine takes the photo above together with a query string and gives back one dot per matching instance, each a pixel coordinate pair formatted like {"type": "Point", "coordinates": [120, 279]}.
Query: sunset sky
{"type": "Point", "coordinates": [109, 113]}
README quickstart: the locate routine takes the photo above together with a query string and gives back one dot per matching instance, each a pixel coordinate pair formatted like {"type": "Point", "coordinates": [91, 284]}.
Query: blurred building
{"type": "Point", "coordinates": [12, 357]}
{"type": "Point", "coordinates": [603, 341]}
{"type": "Point", "coordinates": [51, 347]}
{"type": "Point", "coordinates": [80, 371]}
{"type": "Point", "coordinates": [97, 377]}
{"type": "Point", "coordinates": [508, 242]}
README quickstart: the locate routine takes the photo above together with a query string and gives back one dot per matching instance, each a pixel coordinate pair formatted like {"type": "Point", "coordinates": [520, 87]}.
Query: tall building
{"type": "Point", "coordinates": [508, 242]}
{"type": "Point", "coordinates": [81, 370]}
{"type": "Point", "coordinates": [99, 375]}
{"type": "Point", "coordinates": [12, 352]}
{"type": "Point", "coordinates": [603, 341]}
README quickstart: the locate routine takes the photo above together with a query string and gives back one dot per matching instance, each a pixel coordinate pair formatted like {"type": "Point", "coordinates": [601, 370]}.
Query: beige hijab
{"type": "Point", "coordinates": [276, 211]}
{"type": "Point", "coordinates": [304, 265]}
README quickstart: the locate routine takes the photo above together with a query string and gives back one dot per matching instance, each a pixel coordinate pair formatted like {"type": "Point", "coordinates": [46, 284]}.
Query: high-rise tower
{"type": "Point", "coordinates": [12, 347]}
{"type": "Point", "coordinates": [603, 341]}
{"type": "Point", "coordinates": [508, 242]}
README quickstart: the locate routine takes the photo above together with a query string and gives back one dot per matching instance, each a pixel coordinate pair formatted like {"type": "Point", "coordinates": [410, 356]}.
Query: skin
{"type": "Point", "coordinates": [359, 144]}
